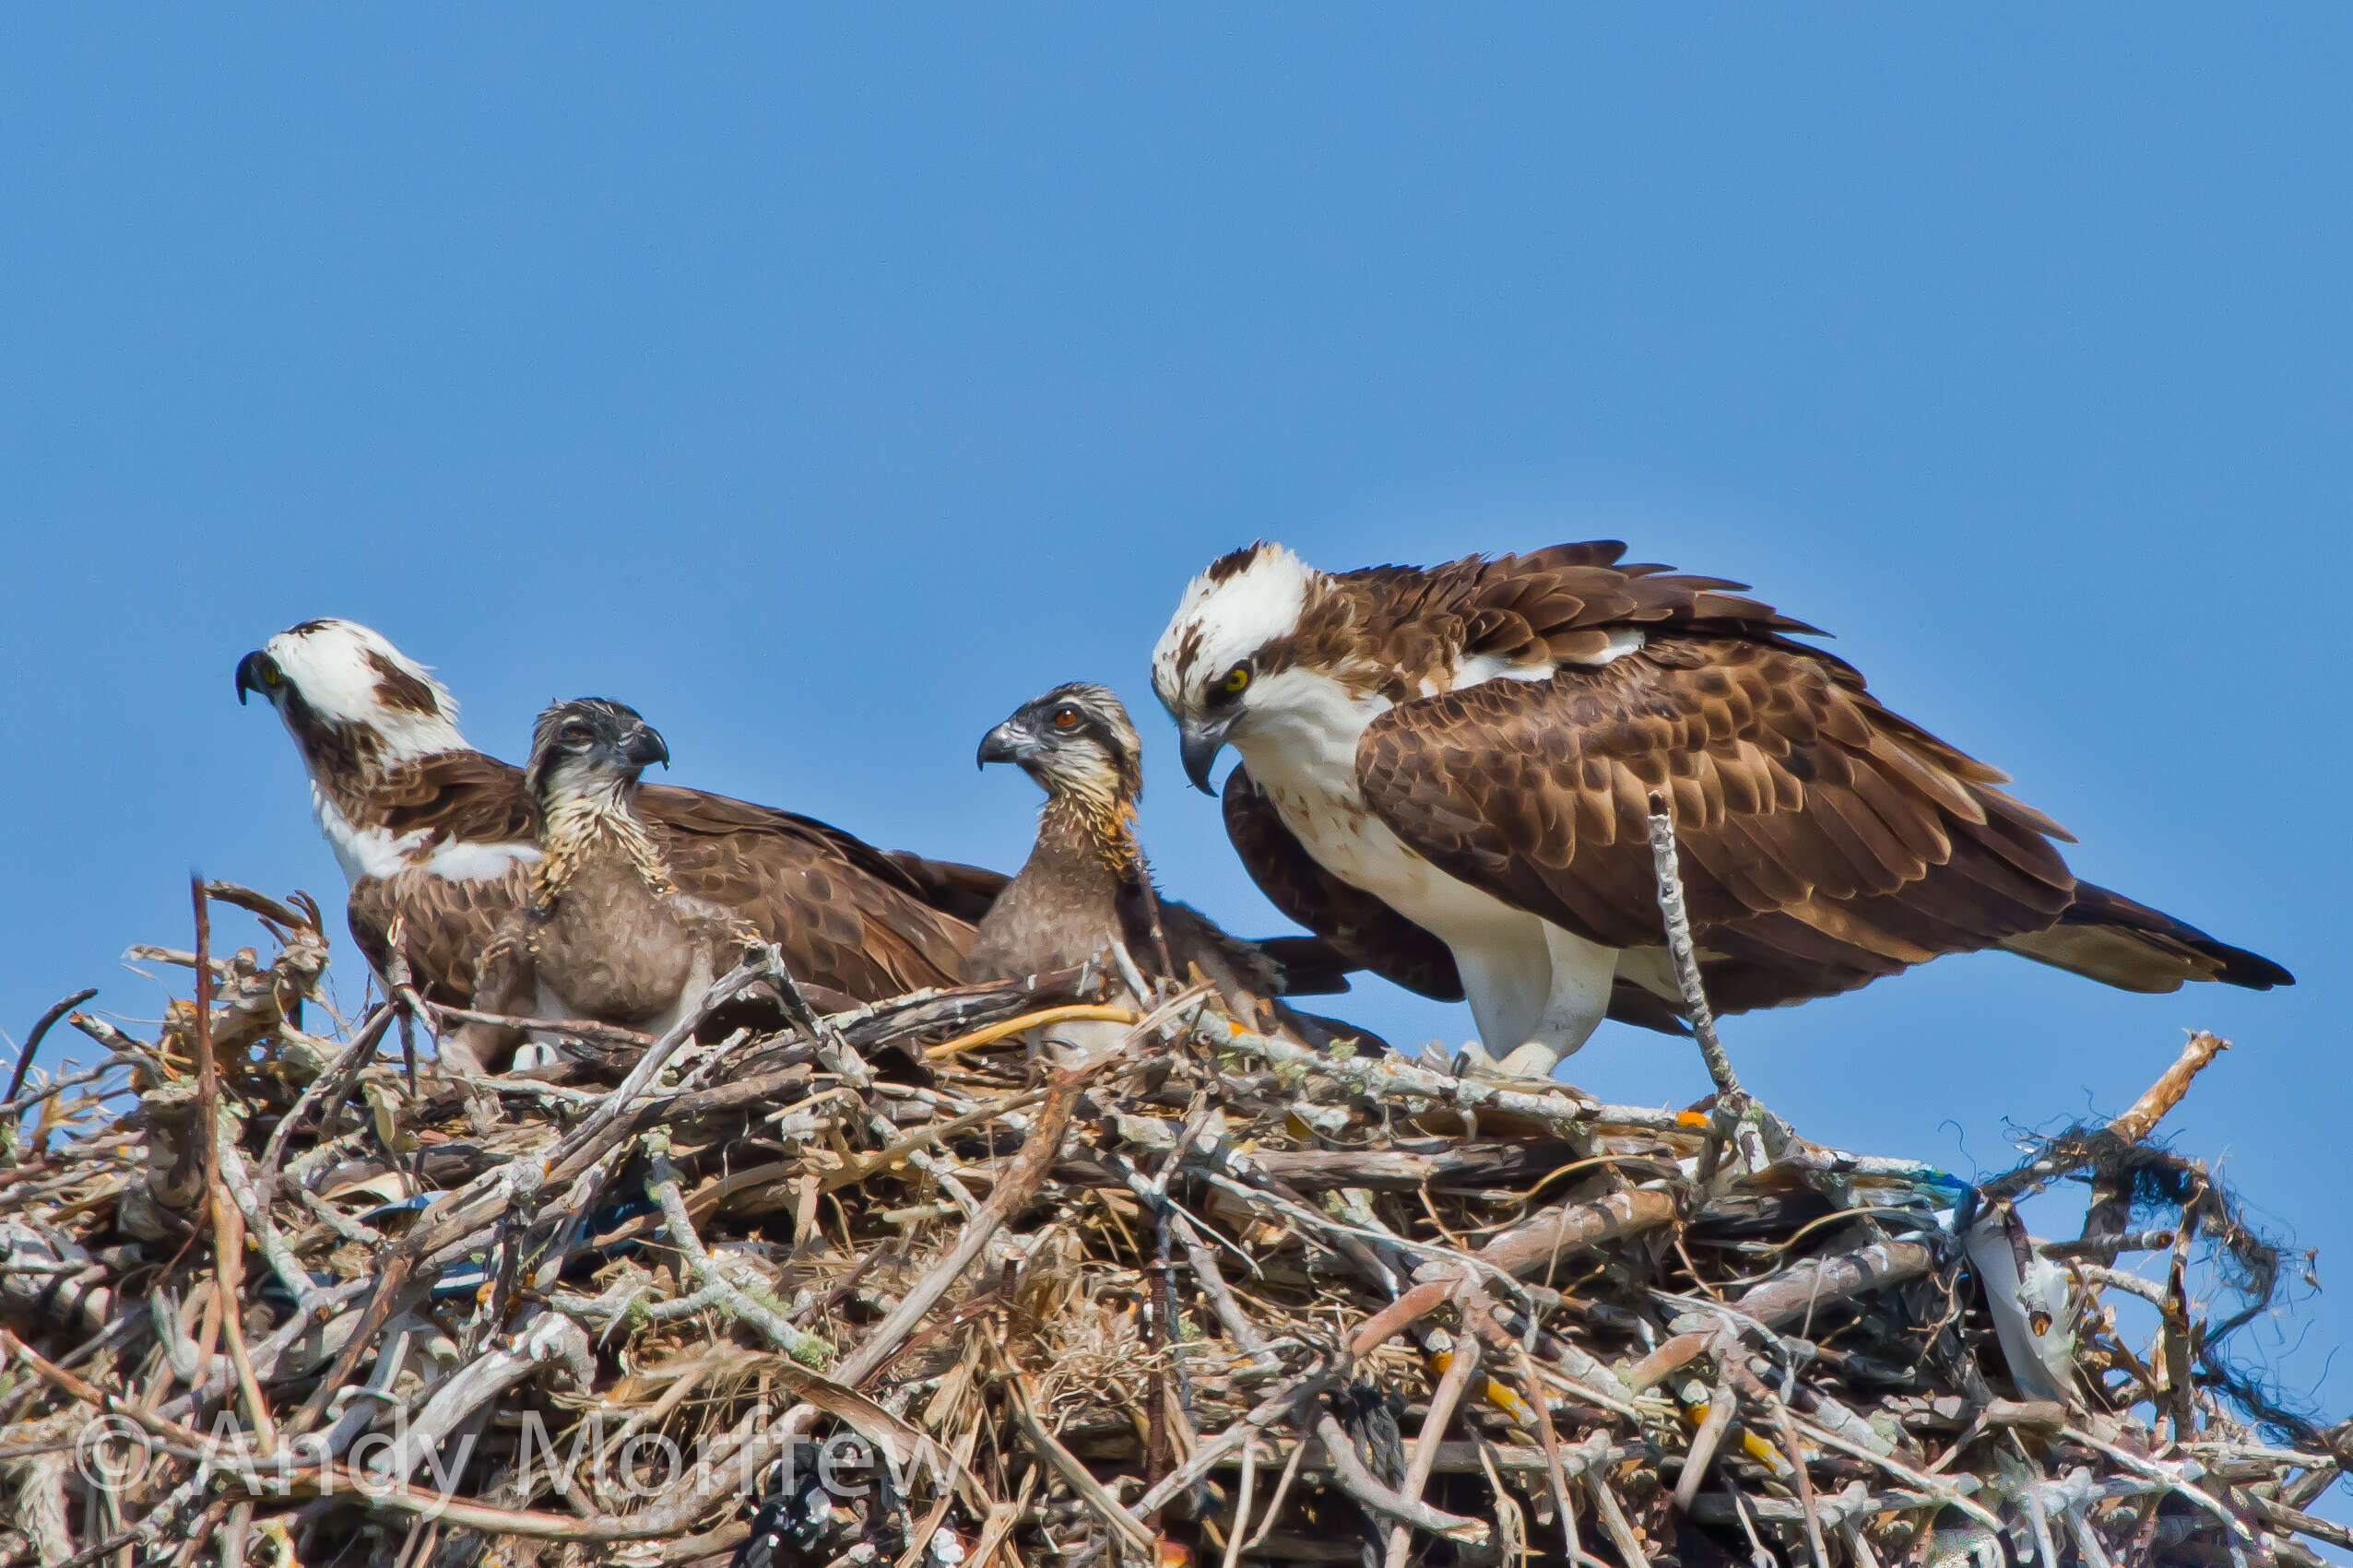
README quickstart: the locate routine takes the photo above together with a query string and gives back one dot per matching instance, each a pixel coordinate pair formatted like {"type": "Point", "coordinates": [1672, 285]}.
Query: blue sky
{"type": "Point", "coordinates": [824, 387]}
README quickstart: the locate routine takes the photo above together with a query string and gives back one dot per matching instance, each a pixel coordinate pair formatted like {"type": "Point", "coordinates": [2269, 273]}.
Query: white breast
{"type": "Point", "coordinates": [1536, 990]}
{"type": "Point", "coordinates": [373, 852]}
{"type": "Point", "coordinates": [1302, 754]}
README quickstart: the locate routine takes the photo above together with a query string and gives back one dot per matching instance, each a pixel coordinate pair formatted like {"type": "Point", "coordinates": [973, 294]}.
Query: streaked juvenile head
{"type": "Point", "coordinates": [1075, 741]}
{"type": "Point", "coordinates": [590, 749]}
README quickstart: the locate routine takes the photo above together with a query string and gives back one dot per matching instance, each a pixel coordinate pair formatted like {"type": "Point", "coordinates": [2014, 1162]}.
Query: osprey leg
{"type": "Point", "coordinates": [1537, 998]}
{"type": "Point", "coordinates": [1579, 999]}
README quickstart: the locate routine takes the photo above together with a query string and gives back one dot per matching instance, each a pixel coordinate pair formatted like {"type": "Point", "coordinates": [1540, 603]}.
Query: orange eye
{"type": "Point", "coordinates": [1066, 718]}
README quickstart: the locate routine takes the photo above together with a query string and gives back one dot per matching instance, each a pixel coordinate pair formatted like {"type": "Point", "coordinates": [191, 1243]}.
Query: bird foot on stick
{"type": "Point", "coordinates": [1529, 1065]}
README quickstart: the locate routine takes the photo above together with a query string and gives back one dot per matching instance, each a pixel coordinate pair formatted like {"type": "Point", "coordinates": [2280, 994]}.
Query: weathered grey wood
{"type": "Point", "coordinates": [1823, 1281]}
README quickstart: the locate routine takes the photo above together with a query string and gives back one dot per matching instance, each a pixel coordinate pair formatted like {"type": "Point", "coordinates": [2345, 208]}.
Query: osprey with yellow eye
{"type": "Point", "coordinates": [1447, 773]}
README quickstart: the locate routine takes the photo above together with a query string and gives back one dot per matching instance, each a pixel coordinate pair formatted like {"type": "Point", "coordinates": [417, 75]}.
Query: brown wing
{"type": "Point", "coordinates": [950, 886]}
{"type": "Point", "coordinates": [1197, 942]}
{"type": "Point", "coordinates": [458, 797]}
{"type": "Point", "coordinates": [1310, 965]}
{"type": "Point", "coordinates": [445, 926]}
{"type": "Point", "coordinates": [1824, 839]}
{"type": "Point", "coordinates": [1537, 609]}
{"type": "Point", "coordinates": [846, 915]}
{"type": "Point", "coordinates": [453, 798]}
{"type": "Point", "coordinates": [1360, 926]}
{"type": "Point", "coordinates": [849, 917]}
{"type": "Point", "coordinates": [1265, 966]}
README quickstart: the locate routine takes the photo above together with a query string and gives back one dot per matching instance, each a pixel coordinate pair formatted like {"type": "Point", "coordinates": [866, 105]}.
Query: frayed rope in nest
{"type": "Point", "coordinates": [892, 1287]}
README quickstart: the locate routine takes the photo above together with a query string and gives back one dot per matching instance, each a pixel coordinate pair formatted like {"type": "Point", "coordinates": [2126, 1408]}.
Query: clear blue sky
{"type": "Point", "coordinates": [824, 388]}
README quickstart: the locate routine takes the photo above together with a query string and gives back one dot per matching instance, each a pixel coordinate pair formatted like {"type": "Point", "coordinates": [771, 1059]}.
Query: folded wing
{"type": "Point", "coordinates": [1824, 839]}
{"type": "Point", "coordinates": [846, 915]}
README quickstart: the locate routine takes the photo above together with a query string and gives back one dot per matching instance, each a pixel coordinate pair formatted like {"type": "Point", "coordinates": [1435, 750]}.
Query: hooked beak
{"type": "Point", "coordinates": [1008, 742]}
{"type": "Point", "coordinates": [644, 745]}
{"type": "Point", "coordinates": [1199, 742]}
{"type": "Point", "coordinates": [249, 674]}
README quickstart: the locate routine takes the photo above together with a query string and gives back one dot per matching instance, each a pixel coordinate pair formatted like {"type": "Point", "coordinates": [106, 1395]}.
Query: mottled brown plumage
{"type": "Point", "coordinates": [1086, 882]}
{"type": "Point", "coordinates": [1510, 721]}
{"type": "Point", "coordinates": [435, 838]}
{"type": "Point", "coordinates": [846, 916]}
{"type": "Point", "coordinates": [1366, 933]}
{"type": "Point", "coordinates": [604, 933]}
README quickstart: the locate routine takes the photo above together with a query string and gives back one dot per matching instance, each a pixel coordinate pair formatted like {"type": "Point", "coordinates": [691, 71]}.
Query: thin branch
{"type": "Point", "coordinates": [1684, 951]}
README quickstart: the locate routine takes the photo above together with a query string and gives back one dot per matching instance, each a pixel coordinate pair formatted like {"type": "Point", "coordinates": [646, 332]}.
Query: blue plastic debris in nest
{"type": "Point", "coordinates": [579, 1241]}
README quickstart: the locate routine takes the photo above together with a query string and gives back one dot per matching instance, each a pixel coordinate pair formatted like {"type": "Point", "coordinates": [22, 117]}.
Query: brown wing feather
{"type": "Point", "coordinates": [849, 917]}
{"type": "Point", "coordinates": [445, 926]}
{"type": "Point", "coordinates": [1352, 920]}
{"type": "Point", "coordinates": [950, 886]}
{"type": "Point", "coordinates": [1195, 941]}
{"type": "Point", "coordinates": [1363, 929]}
{"type": "Point", "coordinates": [1265, 966]}
{"type": "Point", "coordinates": [1540, 608]}
{"type": "Point", "coordinates": [1825, 842]}
{"type": "Point", "coordinates": [459, 797]}
{"type": "Point", "coordinates": [846, 915]}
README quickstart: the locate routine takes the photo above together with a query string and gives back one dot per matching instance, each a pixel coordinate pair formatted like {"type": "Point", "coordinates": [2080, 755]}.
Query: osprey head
{"type": "Point", "coordinates": [590, 748]}
{"type": "Point", "coordinates": [1074, 740]}
{"type": "Point", "coordinates": [351, 700]}
{"type": "Point", "coordinates": [1233, 628]}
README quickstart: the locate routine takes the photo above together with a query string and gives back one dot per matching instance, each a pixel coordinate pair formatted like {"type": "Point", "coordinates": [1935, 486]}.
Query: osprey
{"type": "Point", "coordinates": [437, 837]}
{"type": "Point", "coordinates": [604, 933]}
{"type": "Point", "coordinates": [1086, 883]}
{"type": "Point", "coordinates": [1447, 773]}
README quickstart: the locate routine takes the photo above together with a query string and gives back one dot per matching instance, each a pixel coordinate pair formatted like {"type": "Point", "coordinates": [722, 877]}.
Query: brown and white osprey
{"type": "Point", "coordinates": [605, 933]}
{"type": "Point", "coordinates": [436, 838]}
{"type": "Point", "coordinates": [1086, 883]}
{"type": "Point", "coordinates": [1447, 772]}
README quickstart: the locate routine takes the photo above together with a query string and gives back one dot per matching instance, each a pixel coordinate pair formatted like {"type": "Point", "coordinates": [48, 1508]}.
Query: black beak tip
{"type": "Point", "coordinates": [1199, 752]}
{"type": "Point", "coordinates": [646, 745]}
{"type": "Point", "coordinates": [248, 675]}
{"type": "Point", "coordinates": [996, 747]}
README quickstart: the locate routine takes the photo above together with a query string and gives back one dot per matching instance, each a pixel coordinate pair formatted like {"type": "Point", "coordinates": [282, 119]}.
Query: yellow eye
{"type": "Point", "coordinates": [270, 675]}
{"type": "Point", "coordinates": [1236, 679]}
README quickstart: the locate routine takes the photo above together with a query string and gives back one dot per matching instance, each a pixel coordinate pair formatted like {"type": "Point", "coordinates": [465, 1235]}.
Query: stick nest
{"type": "Point", "coordinates": [907, 1286]}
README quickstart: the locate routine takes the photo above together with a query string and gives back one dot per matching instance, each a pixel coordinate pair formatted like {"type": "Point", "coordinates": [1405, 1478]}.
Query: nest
{"type": "Point", "coordinates": [903, 1286]}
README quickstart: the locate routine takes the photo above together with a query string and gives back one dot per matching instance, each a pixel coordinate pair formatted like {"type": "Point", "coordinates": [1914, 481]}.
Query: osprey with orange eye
{"type": "Point", "coordinates": [1074, 734]}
